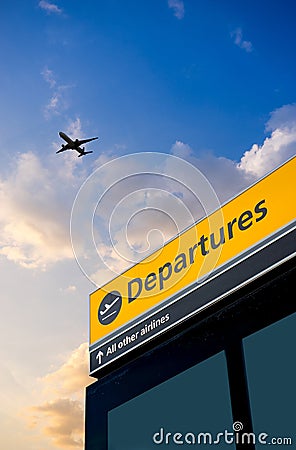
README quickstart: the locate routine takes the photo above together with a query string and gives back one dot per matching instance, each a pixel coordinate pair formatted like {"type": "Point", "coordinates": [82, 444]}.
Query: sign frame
{"type": "Point", "coordinates": [258, 250]}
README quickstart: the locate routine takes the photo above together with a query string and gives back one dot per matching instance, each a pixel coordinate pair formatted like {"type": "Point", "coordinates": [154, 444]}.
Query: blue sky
{"type": "Point", "coordinates": [134, 72]}
{"type": "Point", "coordinates": [212, 82]}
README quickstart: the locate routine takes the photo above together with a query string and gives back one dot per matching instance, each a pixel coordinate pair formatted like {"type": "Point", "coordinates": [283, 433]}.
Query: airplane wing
{"type": "Point", "coordinates": [84, 141]}
{"type": "Point", "coordinates": [62, 150]}
{"type": "Point", "coordinates": [66, 138]}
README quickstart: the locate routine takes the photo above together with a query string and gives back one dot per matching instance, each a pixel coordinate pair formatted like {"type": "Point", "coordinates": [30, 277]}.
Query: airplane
{"type": "Point", "coordinates": [107, 307]}
{"type": "Point", "coordinates": [74, 145]}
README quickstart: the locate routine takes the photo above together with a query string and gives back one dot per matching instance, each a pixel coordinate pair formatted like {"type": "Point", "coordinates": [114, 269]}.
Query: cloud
{"type": "Point", "coordinates": [36, 201]}
{"type": "Point", "coordinates": [69, 290]}
{"type": "Point", "coordinates": [72, 376]}
{"type": "Point", "coordinates": [283, 117]}
{"type": "Point", "coordinates": [123, 203]}
{"type": "Point", "coordinates": [65, 417]}
{"type": "Point", "coordinates": [14, 397]}
{"type": "Point", "coordinates": [33, 216]}
{"type": "Point", "coordinates": [182, 150]}
{"type": "Point", "coordinates": [178, 8]}
{"type": "Point", "coordinates": [222, 173]}
{"type": "Point", "coordinates": [58, 102]}
{"type": "Point", "coordinates": [75, 128]}
{"type": "Point", "coordinates": [48, 76]}
{"type": "Point", "coordinates": [237, 36]}
{"type": "Point", "coordinates": [61, 415]}
{"type": "Point", "coordinates": [50, 8]}
{"type": "Point", "coordinates": [276, 148]}
{"type": "Point", "coordinates": [14, 394]}
{"type": "Point", "coordinates": [227, 177]}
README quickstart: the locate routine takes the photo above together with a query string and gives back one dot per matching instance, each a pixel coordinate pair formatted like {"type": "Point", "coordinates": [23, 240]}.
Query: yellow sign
{"type": "Point", "coordinates": [249, 218]}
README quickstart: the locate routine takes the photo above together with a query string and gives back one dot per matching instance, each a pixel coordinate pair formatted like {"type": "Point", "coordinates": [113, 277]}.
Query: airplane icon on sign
{"type": "Point", "coordinates": [107, 307]}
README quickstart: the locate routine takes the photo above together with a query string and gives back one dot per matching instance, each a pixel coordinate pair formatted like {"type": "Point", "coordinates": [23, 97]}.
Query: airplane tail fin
{"type": "Point", "coordinates": [84, 153]}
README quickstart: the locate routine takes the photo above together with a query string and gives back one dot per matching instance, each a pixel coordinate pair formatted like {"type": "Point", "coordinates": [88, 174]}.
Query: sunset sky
{"type": "Point", "coordinates": [208, 81]}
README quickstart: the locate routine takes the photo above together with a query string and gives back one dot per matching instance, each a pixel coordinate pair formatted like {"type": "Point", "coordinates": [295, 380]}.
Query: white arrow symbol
{"type": "Point", "coordinates": [99, 356]}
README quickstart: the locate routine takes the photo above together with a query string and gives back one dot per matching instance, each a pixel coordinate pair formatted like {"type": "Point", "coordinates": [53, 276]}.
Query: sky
{"type": "Point", "coordinates": [205, 81]}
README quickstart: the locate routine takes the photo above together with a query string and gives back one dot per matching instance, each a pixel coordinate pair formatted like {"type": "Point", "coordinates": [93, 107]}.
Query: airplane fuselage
{"type": "Point", "coordinates": [74, 145]}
